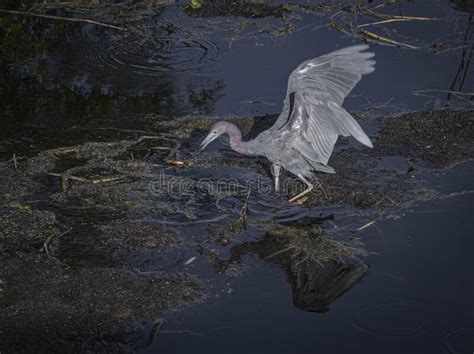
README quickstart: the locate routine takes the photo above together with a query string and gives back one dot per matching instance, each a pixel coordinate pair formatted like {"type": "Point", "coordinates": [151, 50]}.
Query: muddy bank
{"type": "Point", "coordinates": [48, 306]}
{"type": "Point", "coordinates": [439, 139]}
{"type": "Point", "coordinates": [233, 8]}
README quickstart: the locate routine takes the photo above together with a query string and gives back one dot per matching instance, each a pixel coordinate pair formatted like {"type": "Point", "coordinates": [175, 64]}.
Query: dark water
{"type": "Point", "coordinates": [77, 78]}
{"type": "Point", "coordinates": [415, 298]}
{"type": "Point", "coordinates": [413, 293]}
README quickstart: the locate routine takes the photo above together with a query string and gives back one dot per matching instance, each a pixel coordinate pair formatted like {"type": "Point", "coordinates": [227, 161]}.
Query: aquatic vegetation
{"type": "Point", "coordinates": [110, 222]}
{"type": "Point", "coordinates": [439, 138]}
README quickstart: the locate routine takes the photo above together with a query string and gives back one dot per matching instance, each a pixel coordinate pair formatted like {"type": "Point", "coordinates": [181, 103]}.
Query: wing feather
{"type": "Point", "coordinates": [315, 126]}
{"type": "Point", "coordinates": [331, 76]}
{"type": "Point", "coordinates": [318, 88]}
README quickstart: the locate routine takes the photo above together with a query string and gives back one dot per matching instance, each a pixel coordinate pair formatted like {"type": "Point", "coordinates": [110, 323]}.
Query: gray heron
{"type": "Point", "coordinates": [303, 137]}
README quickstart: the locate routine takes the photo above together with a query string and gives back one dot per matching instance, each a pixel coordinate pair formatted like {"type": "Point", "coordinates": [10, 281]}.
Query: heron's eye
{"type": "Point", "coordinates": [214, 132]}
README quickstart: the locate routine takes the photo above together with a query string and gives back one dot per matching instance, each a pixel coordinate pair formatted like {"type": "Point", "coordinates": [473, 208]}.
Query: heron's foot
{"type": "Point", "coordinates": [302, 194]}
{"type": "Point", "coordinates": [301, 200]}
{"type": "Point", "coordinates": [306, 191]}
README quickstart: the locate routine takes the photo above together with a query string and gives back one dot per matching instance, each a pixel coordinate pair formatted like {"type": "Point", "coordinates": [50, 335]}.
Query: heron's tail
{"type": "Point", "coordinates": [347, 125]}
{"type": "Point", "coordinates": [320, 167]}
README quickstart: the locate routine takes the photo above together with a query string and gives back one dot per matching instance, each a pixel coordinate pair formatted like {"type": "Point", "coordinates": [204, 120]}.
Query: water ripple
{"type": "Point", "coordinates": [268, 207]}
{"type": "Point", "coordinates": [154, 56]}
{"type": "Point", "coordinates": [392, 319]}
{"type": "Point", "coordinates": [460, 340]}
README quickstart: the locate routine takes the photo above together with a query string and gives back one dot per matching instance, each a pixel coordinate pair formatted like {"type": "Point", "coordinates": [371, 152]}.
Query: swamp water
{"type": "Point", "coordinates": [115, 236]}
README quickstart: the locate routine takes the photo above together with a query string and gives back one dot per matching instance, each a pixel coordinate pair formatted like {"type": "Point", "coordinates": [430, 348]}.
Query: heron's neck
{"type": "Point", "coordinates": [235, 140]}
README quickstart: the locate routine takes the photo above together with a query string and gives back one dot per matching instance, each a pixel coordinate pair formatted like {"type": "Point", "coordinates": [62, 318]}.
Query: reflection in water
{"type": "Point", "coordinates": [316, 277]}
{"type": "Point", "coordinates": [154, 55]}
{"type": "Point", "coordinates": [315, 286]}
{"type": "Point", "coordinates": [76, 78]}
{"type": "Point", "coordinates": [463, 69]}
{"type": "Point", "coordinates": [463, 5]}
{"type": "Point", "coordinates": [456, 95]}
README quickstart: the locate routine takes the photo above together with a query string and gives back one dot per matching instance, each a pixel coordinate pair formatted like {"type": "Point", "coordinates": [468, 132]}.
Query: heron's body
{"type": "Point", "coordinates": [303, 137]}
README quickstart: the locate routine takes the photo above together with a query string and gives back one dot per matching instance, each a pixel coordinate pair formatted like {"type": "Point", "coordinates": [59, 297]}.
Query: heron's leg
{"type": "Point", "coordinates": [276, 169]}
{"type": "Point", "coordinates": [306, 191]}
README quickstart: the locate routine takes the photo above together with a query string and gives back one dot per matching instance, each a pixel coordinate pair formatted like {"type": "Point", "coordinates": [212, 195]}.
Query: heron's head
{"type": "Point", "coordinates": [217, 130]}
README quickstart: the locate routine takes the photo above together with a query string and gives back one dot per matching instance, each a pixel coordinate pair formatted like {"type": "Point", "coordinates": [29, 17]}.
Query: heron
{"type": "Point", "coordinates": [302, 139]}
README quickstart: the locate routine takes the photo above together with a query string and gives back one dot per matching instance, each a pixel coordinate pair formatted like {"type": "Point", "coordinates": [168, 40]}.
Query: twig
{"type": "Point", "coordinates": [145, 137]}
{"type": "Point", "coordinates": [74, 178]}
{"type": "Point", "coordinates": [64, 151]}
{"type": "Point", "coordinates": [175, 162]}
{"type": "Point", "coordinates": [302, 200]}
{"type": "Point", "coordinates": [366, 225]}
{"type": "Point", "coordinates": [334, 25]}
{"type": "Point", "coordinates": [15, 162]}
{"type": "Point", "coordinates": [105, 180]}
{"type": "Point", "coordinates": [51, 17]}
{"type": "Point", "coordinates": [190, 260]}
{"type": "Point", "coordinates": [278, 252]}
{"type": "Point", "coordinates": [395, 20]}
{"type": "Point", "coordinates": [375, 37]}
{"type": "Point", "coordinates": [160, 148]}
{"type": "Point", "coordinates": [443, 91]}
{"type": "Point", "coordinates": [402, 18]}
{"type": "Point", "coordinates": [85, 180]}
{"type": "Point", "coordinates": [301, 261]}
{"type": "Point", "coordinates": [243, 211]}
{"type": "Point", "coordinates": [385, 3]}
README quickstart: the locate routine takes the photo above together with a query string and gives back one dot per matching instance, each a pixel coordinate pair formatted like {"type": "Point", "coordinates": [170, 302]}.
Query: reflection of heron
{"type": "Point", "coordinates": [315, 287]}
{"type": "Point", "coordinates": [316, 283]}
{"type": "Point", "coordinates": [302, 139]}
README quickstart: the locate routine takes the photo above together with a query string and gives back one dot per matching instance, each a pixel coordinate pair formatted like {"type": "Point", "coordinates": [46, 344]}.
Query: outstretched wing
{"type": "Point", "coordinates": [313, 114]}
{"type": "Point", "coordinates": [315, 125]}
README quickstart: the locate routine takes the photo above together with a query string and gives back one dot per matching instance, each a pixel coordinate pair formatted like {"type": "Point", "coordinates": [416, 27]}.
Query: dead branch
{"type": "Point", "coordinates": [278, 252]}
{"type": "Point", "coordinates": [147, 137]}
{"type": "Point", "coordinates": [419, 92]}
{"type": "Point", "coordinates": [378, 38]}
{"type": "Point", "coordinates": [243, 212]}
{"type": "Point", "coordinates": [402, 18]}
{"type": "Point", "coordinates": [370, 223]}
{"type": "Point", "coordinates": [105, 180]}
{"type": "Point", "coordinates": [85, 180]}
{"type": "Point", "coordinates": [51, 17]}
{"type": "Point", "coordinates": [395, 20]}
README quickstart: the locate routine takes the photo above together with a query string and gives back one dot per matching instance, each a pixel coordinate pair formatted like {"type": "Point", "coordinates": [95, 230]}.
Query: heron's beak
{"type": "Point", "coordinates": [209, 139]}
